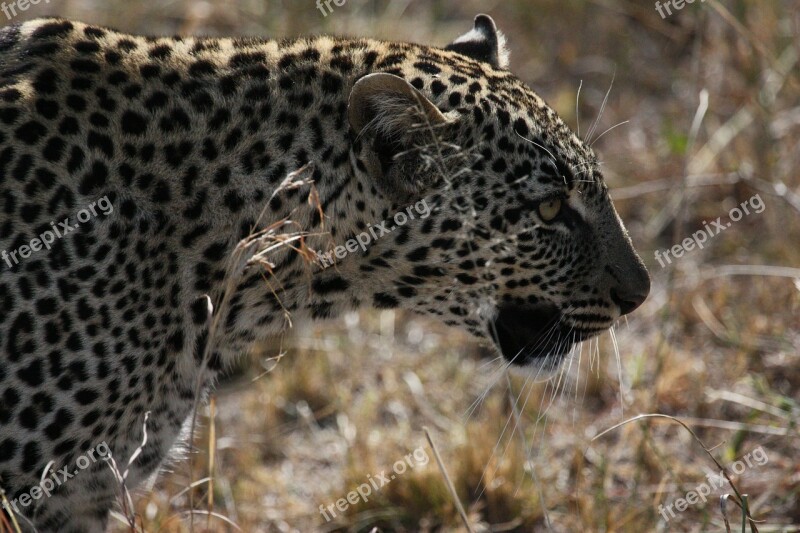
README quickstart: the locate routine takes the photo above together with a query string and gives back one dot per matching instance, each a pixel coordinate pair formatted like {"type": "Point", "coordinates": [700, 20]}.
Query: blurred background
{"type": "Point", "coordinates": [702, 112]}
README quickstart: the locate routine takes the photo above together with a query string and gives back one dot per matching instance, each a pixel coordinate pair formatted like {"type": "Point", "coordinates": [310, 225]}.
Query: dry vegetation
{"type": "Point", "coordinates": [716, 346]}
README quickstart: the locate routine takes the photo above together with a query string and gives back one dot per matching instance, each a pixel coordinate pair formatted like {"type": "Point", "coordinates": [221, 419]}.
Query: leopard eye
{"type": "Point", "coordinates": [550, 209]}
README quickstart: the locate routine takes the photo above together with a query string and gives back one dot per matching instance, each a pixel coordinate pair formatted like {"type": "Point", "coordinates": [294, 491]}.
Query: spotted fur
{"type": "Point", "coordinates": [191, 140]}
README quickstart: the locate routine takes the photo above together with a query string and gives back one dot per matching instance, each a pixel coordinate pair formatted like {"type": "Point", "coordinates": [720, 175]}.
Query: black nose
{"type": "Point", "coordinates": [629, 300]}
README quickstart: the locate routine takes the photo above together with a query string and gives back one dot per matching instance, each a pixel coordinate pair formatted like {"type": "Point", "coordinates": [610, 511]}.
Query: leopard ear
{"type": "Point", "coordinates": [483, 42]}
{"type": "Point", "coordinates": [381, 100]}
{"type": "Point", "coordinates": [392, 121]}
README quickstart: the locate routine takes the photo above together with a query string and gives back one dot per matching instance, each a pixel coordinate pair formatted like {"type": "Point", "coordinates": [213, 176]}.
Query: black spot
{"type": "Point", "coordinates": [53, 149]}
{"type": "Point", "coordinates": [275, 203]}
{"type": "Point", "coordinates": [32, 374]}
{"type": "Point", "coordinates": [61, 421]}
{"type": "Point", "coordinates": [117, 77]}
{"type": "Point", "coordinates": [437, 87]}
{"type": "Point", "coordinates": [418, 254]}
{"type": "Point", "coordinates": [63, 447]}
{"type": "Point", "coordinates": [46, 81]}
{"type": "Point", "coordinates": [246, 59]}
{"type": "Point", "coordinates": [233, 138]}
{"type": "Point", "coordinates": [84, 65]}
{"type": "Point", "coordinates": [161, 192]}
{"type": "Point", "coordinates": [47, 108]}
{"type": "Point", "coordinates": [427, 271]}
{"type": "Point", "coordinates": [8, 448]}
{"type": "Point", "coordinates": [321, 310]}
{"type": "Point", "coordinates": [233, 201]}
{"type": "Point", "coordinates": [86, 396]}
{"type": "Point", "coordinates": [100, 141]}
{"type": "Point", "coordinates": [133, 123]}
{"type": "Point", "coordinates": [31, 456]}
{"type": "Point", "coordinates": [68, 126]}
{"type": "Point", "coordinates": [175, 342]}
{"type": "Point", "coordinates": [428, 68]}
{"type": "Point", "coordinates": [329, 285]}
{"type": "Point", "coordinates": [466, 279]}
{"type": "Point", "coordinates": [94, 33]}
{"type": "Point", "coordinates": [30, 212]}
{"type": "Point", "coordinates": [150, 71]}
{"type": "Point", "coordinates": [407, 292]}
{"type": "Point", "coordinates": [76, 102]}
{"type": "Point", "coordinates": [75, 159]}
{"type": "Point", "coordinates": [10, 95]}
{"type": "Point", "coordinates": [161, 51]}
{"type": "Point", "coordinates": [10, 400]}
{"type": "Point", "coordinates": [451, 224]}
{"type": "Point", "coordinates": [53, 29]}
{"type": "Point", "coordinates": [200, 311]}
{"type": "Point", "coordinates": [331, 83]}
{"type": "Point", "coordinates": [46, 306]}
{"type": "Point", "coordinates": [521, 127]}
{"type": "Point", "coordinates": [216, 251]}
{"type": "Point", "coordinates": [381, 300]}
{"type": "Point", "coordinates": [201, 67]}
{"type": "Point", "coordinates": [30, 132]}
{"type": "Point", "coordinates": [176, 121]}
{"type": "Point", "coordinates": [94, 179]}
{"type": "Point", "coordinates": [9, 114]}
{"type": "Point", "coordinates": [127, 45]}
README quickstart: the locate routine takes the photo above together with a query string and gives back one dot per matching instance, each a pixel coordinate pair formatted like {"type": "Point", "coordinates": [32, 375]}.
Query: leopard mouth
{"type": "Point", "coordinates": [534, 334]}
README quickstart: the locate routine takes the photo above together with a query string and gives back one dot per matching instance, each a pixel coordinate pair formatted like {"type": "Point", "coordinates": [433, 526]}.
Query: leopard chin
{"type": "Point", "coordinates": [534, 335]}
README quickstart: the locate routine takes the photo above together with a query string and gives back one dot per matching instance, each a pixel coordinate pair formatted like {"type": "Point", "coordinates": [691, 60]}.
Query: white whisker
{"type": "Point", "coordinates": [609, 129]}
{"type": "Point", "coordinates": [602, 108]}
{"type": "Point", "coordinates": [578, 110]}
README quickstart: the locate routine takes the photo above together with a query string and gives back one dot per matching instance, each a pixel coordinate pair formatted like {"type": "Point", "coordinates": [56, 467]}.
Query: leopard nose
{"type": "Point", "coordinates": [629, 301]}
{"type": "Point", "coordinates": [628, 282]}
{"type": "Point", "coordinates": [632, 287]}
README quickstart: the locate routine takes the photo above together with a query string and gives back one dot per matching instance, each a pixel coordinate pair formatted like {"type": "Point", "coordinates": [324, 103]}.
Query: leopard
{"type": "Point", "coordinates": [167, 203]}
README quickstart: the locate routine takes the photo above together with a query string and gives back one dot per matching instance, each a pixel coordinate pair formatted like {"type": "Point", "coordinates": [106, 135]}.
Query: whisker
{"type": "Point", "coordinates": [602, 108]}
{"type": "Point", "coordinates": [578, 109]}
{"type": "Point", "coordinates": [619, 370]}
{"type": "Point", "coordinates": [552, 157]}
{"type": "Point", "coordinates": [609, 129]}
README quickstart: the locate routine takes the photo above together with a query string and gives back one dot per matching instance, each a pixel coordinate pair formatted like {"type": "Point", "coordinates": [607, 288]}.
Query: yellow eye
{"type": "Point", "coordinates": [550, 209]}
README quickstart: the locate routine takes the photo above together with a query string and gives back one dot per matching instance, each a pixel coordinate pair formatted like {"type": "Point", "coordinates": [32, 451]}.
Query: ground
{"type": "Point", "coordinates": [711, 96]}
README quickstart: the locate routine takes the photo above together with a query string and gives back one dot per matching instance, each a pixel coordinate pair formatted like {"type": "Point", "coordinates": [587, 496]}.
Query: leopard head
{"type": "Point", "coordinates": [522, 245]}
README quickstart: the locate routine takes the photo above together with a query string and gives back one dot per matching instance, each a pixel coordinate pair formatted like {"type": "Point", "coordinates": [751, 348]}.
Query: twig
{"type": "Point", "coordinates": [212, 440]}
{"type": "Point", "coordinates": [518, 421]}
{"type": "Point", "coordinates": [7, 506]}
{"type": "Point", "coordinates": [449, 483]}
{"type": "Point", "coordinates": [753, 526]}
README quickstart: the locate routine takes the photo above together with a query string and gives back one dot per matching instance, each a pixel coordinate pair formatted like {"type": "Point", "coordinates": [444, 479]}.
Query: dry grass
{"type": "Point", "coordinates": [714, 346]}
